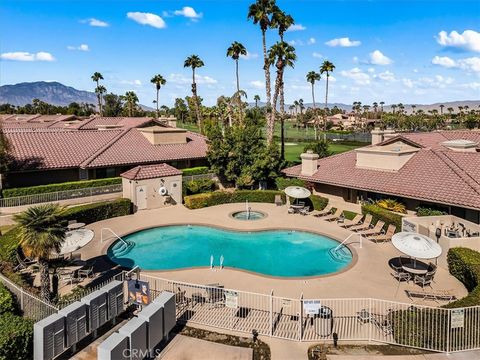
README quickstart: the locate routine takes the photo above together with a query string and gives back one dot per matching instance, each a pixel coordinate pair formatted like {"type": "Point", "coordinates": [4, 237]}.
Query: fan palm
{"type": "Point", "coordinates": [257, 99]}
{"type": "Point", "coordinates": [96, 77]}
{"type": "Point", "coordinates": [131, 100]}
{"type": "Point", "coordinates": [41, 232]}
{"type": "Point", "coordinates": [194, 62]}
{"type": "Point", "coordinates": [313, 76]}
{"type": "Point", "coordinates": [234, 51]}
{"type": "Point", "coordinates": [282, 21]}
{"type": "Point", "coordinates": [99, 91]}
{"type": "Point", "coordinates": [158, 81]}
{"type": "Point", "coordinates": [327, 67]}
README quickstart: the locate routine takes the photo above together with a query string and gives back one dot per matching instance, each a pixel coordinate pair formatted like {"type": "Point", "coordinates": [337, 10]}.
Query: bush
{"type": "Point", "coordinates": [464, 264]}
{"type": "Point", "coordinates": [73, 185]}
{"type": "Point", "coordinates": [199, 186]}
{"type": "Point", "coordinates": [199, 170]}
{"type": "Point", "coordinates": [392, 205]}
{"type": "Point", "coordinates": [379, 213]}
{"type": "Point", "coordinates": [317, 202]}
{"type": "Point", "coordinates": [283, 183]}
{"type": "Point", "coordinates": [423, 211]}
{"type": "Point", "coordinates": [199, 201]}
{"type": "Point", "coordinates": [99, 211]}
{"type": "Point", "coordinates": [7, 303]}
{"type": "Point", "coordinates": [8, 246]}
{"type": "Point", "coordinates": [16, 337]}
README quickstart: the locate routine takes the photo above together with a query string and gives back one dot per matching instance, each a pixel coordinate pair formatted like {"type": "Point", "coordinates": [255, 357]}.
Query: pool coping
{"type": "Point", "coordinates": [354, 261]}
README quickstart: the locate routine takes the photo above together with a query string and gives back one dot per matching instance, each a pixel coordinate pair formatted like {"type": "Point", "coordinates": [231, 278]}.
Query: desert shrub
{"type": "Point", "coordinates": [199, 186]}
{"type": "Point", "coordinates": [392, 205]}
{"type": "Point", "coordinates": [199, 170]}
{"type": "Point", "coordinates": [282, 183]}
{"type": "Point", "coordinates": [385, 215]}
{"type": "Point", "coordinates": [199, 201]}
{"type": "Point", "coordinates": [16, 337]}
{"type": "Point", "coordinates": [99, 211]}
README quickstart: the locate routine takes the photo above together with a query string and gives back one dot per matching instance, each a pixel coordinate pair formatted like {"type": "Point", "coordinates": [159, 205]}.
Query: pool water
{"type": "Point", "coordinates": [250, 215]}
{"type": "Point", "coordinates": [280, 253]}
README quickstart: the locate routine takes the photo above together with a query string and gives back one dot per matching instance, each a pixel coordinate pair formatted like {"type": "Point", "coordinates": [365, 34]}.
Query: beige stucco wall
{"type": "Point", "coordinates": [173, 184]}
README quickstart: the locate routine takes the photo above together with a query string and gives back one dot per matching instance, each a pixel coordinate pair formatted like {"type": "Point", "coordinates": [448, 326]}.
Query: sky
{"type": "Point", "coordinates": [383, 50]}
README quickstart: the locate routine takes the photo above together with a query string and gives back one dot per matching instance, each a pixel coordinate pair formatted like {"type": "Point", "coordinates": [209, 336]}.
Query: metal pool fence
{"type": "Point", "coordinates": [356, 319]}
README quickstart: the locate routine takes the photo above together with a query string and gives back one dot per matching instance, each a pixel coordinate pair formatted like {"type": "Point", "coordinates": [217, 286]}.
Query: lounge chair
{"type": "Point", "coordinates": [355, 221]}
{"type": "Point", "coordinates": [23, 263]}
{"type": "Point", "coordinates": [384, 237]}
{"type": "Point", "coordinates": [439, 295]}
{"type": "Point", "coordinates": [278, 200]}
{"type": "Point", "coordinates": [88, 272]}
{"type": "Point", "coordinates": [363, 226]}
{"type": "Point", "coordinates": [324, 212]}
{"type": "Point", "coordinates": [335, 216]}
{"type": "Point", "coordinates": [376, 230]}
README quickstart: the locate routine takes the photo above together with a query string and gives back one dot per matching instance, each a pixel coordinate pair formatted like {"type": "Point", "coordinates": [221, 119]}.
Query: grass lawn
{"type": "Point", "coordinates": [292, 152]}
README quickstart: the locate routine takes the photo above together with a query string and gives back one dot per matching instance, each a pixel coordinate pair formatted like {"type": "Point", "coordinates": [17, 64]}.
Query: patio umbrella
{"type": "Point", "coordinates": [416, 245]}
{"type": "Point", "coordinates": [75, 240]}
{"type": "Point", "coordinates": [297, 192]}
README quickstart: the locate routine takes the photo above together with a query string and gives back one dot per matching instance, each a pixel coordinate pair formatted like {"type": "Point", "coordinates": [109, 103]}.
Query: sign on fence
{"type": "Point", "coordinates": [231, 299]}
{"type": "Point", "coordinates": [139, 292]}
{"type": "Point", "coordinates": [311, 307]}
{"type": "Point", "coordinates": [457, 319]}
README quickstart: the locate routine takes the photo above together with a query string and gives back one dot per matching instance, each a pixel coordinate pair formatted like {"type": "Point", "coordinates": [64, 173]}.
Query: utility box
{"type": "Point", "coordinates": [75, 322]}
{"type": "Point", "coordinates": [153, 315]}
{"type": "Point", "coordinates": [96, 309]}
{"type": "Point", "coordinates": [136, 332]}
{"type": "Point", "coordinates": [167, 300]}
{"type": "Point", "coordinates": [113, 348]}
{"type": "Point", "coordinates": [49, 337]}
{"type": "Point", "coordinates": [115, 297]}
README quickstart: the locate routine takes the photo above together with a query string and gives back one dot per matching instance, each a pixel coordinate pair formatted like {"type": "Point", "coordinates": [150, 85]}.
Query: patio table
{"type": "Point", "coordinates": [418, 268]}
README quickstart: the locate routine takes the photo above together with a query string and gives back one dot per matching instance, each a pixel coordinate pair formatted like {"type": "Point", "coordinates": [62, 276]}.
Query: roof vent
{"type": "Point", "coordinates": [461, 145]}
{"type": "Point", "coordinates": [158, 135]}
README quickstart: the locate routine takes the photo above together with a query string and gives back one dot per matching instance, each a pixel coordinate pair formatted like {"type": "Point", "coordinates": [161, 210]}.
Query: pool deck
{"type": "Point", "coordinates": [368, 277]}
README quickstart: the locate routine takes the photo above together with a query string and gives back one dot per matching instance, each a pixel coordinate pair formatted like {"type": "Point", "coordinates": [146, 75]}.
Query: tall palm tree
{"type": "Point", "coordinates": [441, 109]}
{"type": "Point", "coordinates": [257, 99]}
{"type": "Point", "coordinates": [260, 12]}
{"type": "Point", "coordinates": [96, 77]}
{"type": "Point", "coordinates": [99, 91]}
{"type": "Point", "coordinates": [280, 55]}
{"type": "Point", "coordinates": [413, 108]}
{"type": "Point", "coordinates": [41, 232]}
{"type": "Point", "coordinates": [131, 100]}
{"type": "Point", "coordinates": [158, 81]}
{"type": "Point", "coordinates": [234, 51]}
{"type": "Point", "coordinates": [313, 76]}
{"type": "Point", "coordinates": [327, 67]}
{"type": "Point", "coordinates": [194, 62]}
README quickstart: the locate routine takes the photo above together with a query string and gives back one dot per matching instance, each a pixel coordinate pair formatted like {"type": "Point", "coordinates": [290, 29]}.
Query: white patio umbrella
{"type": "Point", "coordinates": [297, 192]}
{"type": "Point", "coordinates": [416, 245]}
{"type": "Point", "coordinates": [75, 240]}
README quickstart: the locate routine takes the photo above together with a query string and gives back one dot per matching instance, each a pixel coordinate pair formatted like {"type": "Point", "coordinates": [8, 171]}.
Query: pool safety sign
{"type": "Point", "coordinates": [139, 292]}
{"type": "Point", "coordinates": [311, 307]}
{"type": "Point", "coordinates": [231, 299]}
{"type": "Point", "coordinates": [457, 319]}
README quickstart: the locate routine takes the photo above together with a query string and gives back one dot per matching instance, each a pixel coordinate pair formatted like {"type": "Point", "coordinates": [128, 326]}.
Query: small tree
{"type": "Point", "coordinates": [320, 147]}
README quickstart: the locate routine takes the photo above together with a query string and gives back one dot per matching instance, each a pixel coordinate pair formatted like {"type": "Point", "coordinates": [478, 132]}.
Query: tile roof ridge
{"type": "Point", "coordinates": [86, 122]}
{"type": "Point", "coordinates": [34, 117]}
{"type": "Point", "coordinates": [85, 163]}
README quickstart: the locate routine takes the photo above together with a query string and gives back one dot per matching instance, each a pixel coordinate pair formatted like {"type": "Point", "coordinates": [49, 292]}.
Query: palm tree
{"type": "Point", "coordinates": [158, 81]}
{"type": "Point", "coordinates": [257, 99]}
{"type": "Point", "coordinates": [194, 61]}
{"type": "Point", "coordinates": [99, 91]}
{"type": "Point", "coordinates": [96, 77]}
{"type": "Point", "coordinates": [131, 100]}
{"type": "Point", "coordinates": [441, 109]}
{"type": "Point", "coordinates": [327, 67]}
{"type": "Point", "coordinates": [280, 55]}
{"type": "Point", "coordinates": [413, 108]}
{"type": "Point", "coordinates": [313, 76]}
{"type": "Point", "coordinates": [234, 51]}
{"type": "Point", "coordinates": [296, 103]}
{"type": "Point", "coordinates": [41, 232]}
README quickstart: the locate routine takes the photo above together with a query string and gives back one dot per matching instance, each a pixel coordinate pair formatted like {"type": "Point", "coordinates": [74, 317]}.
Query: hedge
{"type": "Point", "coordinates": [316, 202]}
{"type": "Point", "coordinates": [7, 303]}
{"type": "Point", "coordinates": [199, 170]}
{"type": "Point", "coordinates": [387, 216]}
{"type": "Point", "coordinates": [199, 186]}
{"type": "Point", "coordinates": [464, 264]}
{"type": "Point", "coordinates": [283, 183]}
{"type": "Point", "coordinates": [73, 185]}
{"type": "Point", "coordinates": [16, 337]}
{"type": "Point", "coordinates": [99, 211]}
{"type": "Point", "coordinates": [8, 246]}
{"type": "Point", "coordinates": [423, 211]}
{"type": "Point", "coordinates": [223, 197]}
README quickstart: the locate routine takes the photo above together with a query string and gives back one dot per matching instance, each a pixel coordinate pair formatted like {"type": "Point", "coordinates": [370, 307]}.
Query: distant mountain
{"type": "Point", "coordinates": [53, 93]}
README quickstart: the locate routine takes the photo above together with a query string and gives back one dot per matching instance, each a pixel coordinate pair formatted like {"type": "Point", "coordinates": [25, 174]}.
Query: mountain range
{"type": "Point", "coordinates": [58, 94]}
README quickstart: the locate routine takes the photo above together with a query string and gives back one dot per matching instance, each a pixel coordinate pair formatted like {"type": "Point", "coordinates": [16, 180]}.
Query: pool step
{"type": "Point", "coordinates": [122, 248]}
{"type": "Point", "coordinates": [340, 253]}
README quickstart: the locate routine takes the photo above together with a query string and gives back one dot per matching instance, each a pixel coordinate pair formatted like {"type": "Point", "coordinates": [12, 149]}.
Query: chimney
{"type": "Point", "coordinates": [309, 163]}
{"type": "Point", "coordinates": [388, 134]}
{"type": "Point", "coordinates": [377, 136]}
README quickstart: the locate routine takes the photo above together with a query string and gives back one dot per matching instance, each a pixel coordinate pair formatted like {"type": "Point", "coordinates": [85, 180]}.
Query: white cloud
{"type": "Point", "coordinates": [81, 47]}
{"type": "Point", "coordinates": [257, 84]}
{"type": "Point", "coordinates": [408, 83]}
{"type": "Point", "coordinates": [468, 40]}
{"type": "Point", "coordinates": [317, 55]}
{"type": "Point", "coordinates": [471, 64]}
{"type": "Point", "coordinates": [136, 83]}
{"type": "Point", "coordinates": [343, 42]}
{"type": "Point", "coordinates": [249, 56]}
{"type": "Point", "coordinates": [357, 75]}
{"type": "Point", "coordinates": [188, 12]}
{"type": "Point", "coordinates": [296, 27]}
{"type": "Point", "coordinates": [293, 42]}
{"type": "Point", "coordinates": [181, 79]}
{"type": "Point", "coordinates": [444, 61]}
{"type": "Point", "coordinates": [371, 70]}
{"type": "Point", "coordinates": [95, 22]}
{"type": "Point", "coordinates": [386, 76]}
{"type": "Point", "coordinates": [26, 56]}
{"type": "Point", "coordinates": [147, 19]}
{"type": "Point", "coordinates": [355, 59]}
{"type": "Point", "coordinates": [377, 58]}
{"type": "Point", "coordinates": [311, 41]}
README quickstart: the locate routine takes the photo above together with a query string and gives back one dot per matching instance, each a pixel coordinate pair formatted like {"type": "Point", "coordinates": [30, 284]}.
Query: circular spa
{"type": "Point", "coordinates": [248, 215]}
{"type": "Point", "coordinates": [279, 253]}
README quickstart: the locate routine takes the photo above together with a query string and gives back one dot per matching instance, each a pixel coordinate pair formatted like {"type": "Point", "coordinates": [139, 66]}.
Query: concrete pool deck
{"type": "Point", "coordinates": [368, 277]}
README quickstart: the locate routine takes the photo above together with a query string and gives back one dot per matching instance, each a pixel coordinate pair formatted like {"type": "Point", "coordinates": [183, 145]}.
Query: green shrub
{"type": "Point", "coordinates": [464, 264]}
{"type": "Point", "coordinates": [199, 201]}
{"type": "Point", "coordinates": [73, 185]}
{"type": "Point", "coordinates": [283, 183]}
{"type": "Point", "coordinates": [8, 246]}
{"type": "Point", "coordinates": [392, 205]}
{"type": "Point", "coordinates": [16, 337]}
{"type": "Point", "coordinates": [99, 211]}
{"type": "Point", "coordinates": [349, 215]}
{"type": "Point", "coordinates": [7, 303]}
{"type": "Point", "coordinates": [379, 213]}
{"type": "Point", "coordinates": [199, 170]}
{"type": "Point", "coordinates": [423, 211]}
{"type": "Point", "coordinates": [316, 202]}
{"type": "Point", "coordinates": [199, 186]}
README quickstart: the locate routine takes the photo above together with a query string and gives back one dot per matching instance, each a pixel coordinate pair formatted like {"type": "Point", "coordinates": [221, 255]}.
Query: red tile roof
{"type": "Point", "coordinates": [434, 174]}
{"type": "Point", "coordinates": [143, 172]}
{"type": "Point", "coordinates": [125, 122]}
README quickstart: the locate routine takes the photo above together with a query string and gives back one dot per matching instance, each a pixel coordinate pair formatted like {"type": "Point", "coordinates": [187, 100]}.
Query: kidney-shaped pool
{"type": "Point", "coordinates": [281, 253]}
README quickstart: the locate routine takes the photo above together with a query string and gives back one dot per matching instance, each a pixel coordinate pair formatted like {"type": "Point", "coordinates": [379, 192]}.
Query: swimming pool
{"type": "Point", "coordinates": [280, 253]}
